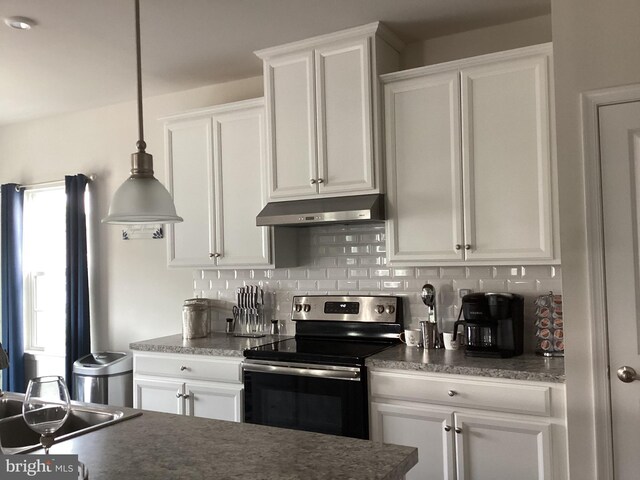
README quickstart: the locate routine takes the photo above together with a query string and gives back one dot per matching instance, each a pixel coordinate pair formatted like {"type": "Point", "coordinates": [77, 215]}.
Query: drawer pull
{"type": "Point", "coordinates": [179, 395]}
{"type": "Point", "coordinates": [458, 430]}
{"type": "Point", "coordinates": [183, 368]}
{"type": "Point", "coordinates": [185, 396]}
{"type": "Point", "coordinates": [452, 393]}
{"type": "Point", "coordinates": [447, 428]}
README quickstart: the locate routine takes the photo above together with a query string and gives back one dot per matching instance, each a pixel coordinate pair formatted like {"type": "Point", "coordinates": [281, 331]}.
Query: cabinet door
{"type": "Point", "coordinates": [238, 187]}
{"type": "Point", "coordinates": [289, 91]}
{"type": "Point", "coordinates": [158, 395]}
{"type": "Point", "coordinates": [424, 186]}
{"type": "Point", "coordinates": [502, 449]}
{"type": "Point", "coordinates": [422, 427]}
{"type": "Point", "coordinates": [189, 153]}
{"type": "Point", "coordinates": [211, 400]}
{"type": "Point", "coordinates": [507, 160]}
{"type": "Point", "coordinates": [344, 113]}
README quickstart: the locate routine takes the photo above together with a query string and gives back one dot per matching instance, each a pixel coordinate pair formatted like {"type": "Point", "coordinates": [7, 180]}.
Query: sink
{"type": "Point", "coordinates": [17, 437]}
{"type": "Point", "coordinates": [10, 407]}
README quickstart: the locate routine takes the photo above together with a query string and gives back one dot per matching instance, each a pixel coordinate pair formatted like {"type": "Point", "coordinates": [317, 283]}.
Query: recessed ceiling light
{"type": "Point", "coordinates": [20, 23]}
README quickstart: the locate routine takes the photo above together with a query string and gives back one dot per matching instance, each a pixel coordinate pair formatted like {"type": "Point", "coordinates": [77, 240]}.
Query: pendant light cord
{"type": "Point", "coordinates": [141, 143]}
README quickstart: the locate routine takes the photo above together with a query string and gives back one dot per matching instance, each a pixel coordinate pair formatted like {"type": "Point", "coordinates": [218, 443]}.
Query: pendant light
{"type": "Point", "coordinates": [141, 199]}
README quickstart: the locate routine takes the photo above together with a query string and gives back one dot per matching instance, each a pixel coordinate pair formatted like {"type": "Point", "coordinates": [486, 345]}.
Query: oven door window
{"type": "Point", "coordinates": [336, 407]}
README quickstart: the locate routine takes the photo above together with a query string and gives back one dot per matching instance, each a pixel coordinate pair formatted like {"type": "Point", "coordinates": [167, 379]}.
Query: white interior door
{"type": "Point", "coordinates": [620, 167]}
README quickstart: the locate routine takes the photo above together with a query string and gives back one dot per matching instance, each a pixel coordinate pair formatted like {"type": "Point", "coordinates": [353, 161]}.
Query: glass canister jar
{"type": "Point", "coordinates": [195, 318]}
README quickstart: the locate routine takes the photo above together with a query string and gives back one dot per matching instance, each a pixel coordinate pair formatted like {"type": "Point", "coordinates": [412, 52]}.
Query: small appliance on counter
{"type": "Point", "coordinates": [494, 324]}
{"type": "Point", "coordinates": [549, 325]}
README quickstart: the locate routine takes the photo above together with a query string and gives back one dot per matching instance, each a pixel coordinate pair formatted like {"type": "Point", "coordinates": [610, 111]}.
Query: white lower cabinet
{"type": "Point", "coordinates": [461, 434]}
{"type": "Point", "coordinates": [194, 385]}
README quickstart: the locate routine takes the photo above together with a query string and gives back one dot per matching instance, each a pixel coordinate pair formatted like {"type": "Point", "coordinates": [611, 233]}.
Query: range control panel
{"type": "Point", "coordinates": [378, 308]}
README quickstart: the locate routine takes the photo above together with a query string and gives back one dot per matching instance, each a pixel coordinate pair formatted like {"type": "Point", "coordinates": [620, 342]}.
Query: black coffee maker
{"type": "Point", "coordinates": [494, 324]}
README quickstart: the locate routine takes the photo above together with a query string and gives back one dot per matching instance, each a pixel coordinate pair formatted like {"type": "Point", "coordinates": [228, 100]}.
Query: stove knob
{"type": "Point", "coordinates": [390, 309]}
{"type": "Point", "coordinates": [298, 307]}
{"type": "Point", "coordinates": [307, 307]}
{"type": "Point", "coordinates": [379, 308]}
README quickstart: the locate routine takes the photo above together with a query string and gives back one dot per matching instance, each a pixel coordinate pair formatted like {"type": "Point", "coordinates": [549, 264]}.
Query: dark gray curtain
{"type": "Point", "coordinates": [11, 203]}
{"type": "Point", "coordinates": [78, 331]}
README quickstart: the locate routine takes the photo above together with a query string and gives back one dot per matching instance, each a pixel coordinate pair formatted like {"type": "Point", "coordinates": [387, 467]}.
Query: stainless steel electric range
{"type": "Point", "coordinates": [317, 381]}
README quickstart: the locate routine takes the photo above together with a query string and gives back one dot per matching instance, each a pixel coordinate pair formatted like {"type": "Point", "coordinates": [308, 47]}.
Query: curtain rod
{"type": "Point", "coordinates": [91, 178]}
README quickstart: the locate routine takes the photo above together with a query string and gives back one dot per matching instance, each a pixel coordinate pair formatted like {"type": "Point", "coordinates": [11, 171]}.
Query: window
{"type": "Point", "coordinates": [44, 264]}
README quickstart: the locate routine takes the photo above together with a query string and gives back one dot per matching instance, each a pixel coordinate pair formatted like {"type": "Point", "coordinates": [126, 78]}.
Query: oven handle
{"type": "Point", "coordinates": [333, 373]}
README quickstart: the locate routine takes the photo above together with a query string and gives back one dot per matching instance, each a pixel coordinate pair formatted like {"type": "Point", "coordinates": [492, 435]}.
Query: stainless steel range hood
{"type": "Point", "coordinates": [355, 209]}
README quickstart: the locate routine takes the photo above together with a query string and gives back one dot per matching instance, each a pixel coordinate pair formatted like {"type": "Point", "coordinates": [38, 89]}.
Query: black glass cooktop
{"type": "Point", "coordinates": [325, 351]}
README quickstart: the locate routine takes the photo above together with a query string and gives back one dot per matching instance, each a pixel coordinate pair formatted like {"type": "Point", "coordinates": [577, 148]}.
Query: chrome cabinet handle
{"type": "Point", "coordinates": [447, 428]}
{"type": "Point", "coordinates": [458, 430]}
{"type": "Point", "coordinates": [627, 374]}
{"type": "Point", "coordinates": [185, 396]}
{"type": "Point", "coordinates": [452, 393]}
{"type": "Point", "coordinates": [458, 246]}
{"type": "Point", "coordinates": [179, 395]}
{"type": "Point", "coordinates": [183, 368]}
{"type": "Point", "coordinates": [467, 246]}
{"type": "Point", "coordinates": [320, 180]}
{"type": "Point", "coordinates": [313, 181]}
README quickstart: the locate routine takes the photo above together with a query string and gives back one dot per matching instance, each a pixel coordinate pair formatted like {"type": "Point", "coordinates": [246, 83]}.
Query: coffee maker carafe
{"type": "Point", "coordinates": [494, 324]}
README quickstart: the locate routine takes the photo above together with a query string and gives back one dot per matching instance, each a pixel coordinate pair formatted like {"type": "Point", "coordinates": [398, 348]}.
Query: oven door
{"type": "Point", "coordinates": [316, 398]}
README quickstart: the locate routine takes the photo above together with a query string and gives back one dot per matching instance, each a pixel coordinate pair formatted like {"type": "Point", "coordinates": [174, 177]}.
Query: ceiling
{"type": "Point", "coordinates": [82, 52]}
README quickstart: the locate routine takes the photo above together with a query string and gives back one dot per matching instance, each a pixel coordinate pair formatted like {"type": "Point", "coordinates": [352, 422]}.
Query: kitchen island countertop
{"type": "Point", "coordinates": [161, 445]}
{"type": "Point", "coordinates": [523, 367]}
{"type": "Point", "coordinates": [215, 344]}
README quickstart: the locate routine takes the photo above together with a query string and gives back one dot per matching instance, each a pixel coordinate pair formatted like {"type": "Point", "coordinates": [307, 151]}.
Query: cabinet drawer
{"type": "Point", "coordinates": [188, 367]}
{"type": "Point", "coordinates": [486, 395]}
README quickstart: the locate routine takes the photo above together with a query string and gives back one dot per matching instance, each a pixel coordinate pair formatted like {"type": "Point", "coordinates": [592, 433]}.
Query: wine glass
{"type": "Point", "coordinates": [46, 407]}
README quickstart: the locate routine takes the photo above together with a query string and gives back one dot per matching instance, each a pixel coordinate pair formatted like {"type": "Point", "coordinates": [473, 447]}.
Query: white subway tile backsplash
{"type": "Point", "coordinates": [347, 261]}
{"type": "Point", "coordinates": [488, 285]}
{"type": "Point", "coordinates": [404, 272]}
{"type": "Point", "coordinates": [369, 285]}
{"type": "Point", "coordinates": [347, 285]}
{"type": "Point", "coordinates": [478, 272]}
{"type": "Point", "coordinates": [227, 274]}
{"type": "Point", "coordinates": [453, 272]}
{"type": "Point", "coordinates": [287, 285]}
{"type": "Point", "coordinates": [371, 260]}
{"type": "Point", "coordinates": [307, 285]}
{"type": "Point", "coordinates": [427, 272]}
{"type": "Point", "coordinates": [327, 285]}
{"type": "Point", "coordinates": [201, 285]}
{"type": "Point", "coordinates": [358, 273]}
{"type": "Point", "coordinates": [337, 273]}
{"type": "Point", "coordinates": [521, 286]}
{"type": "Point", "coordinates": [325, 262]}
{"type": "Point", "coordinates": [537, 271]}
{"type": "Point", "coordinates": [297, 273]}
{"type": "Point", "coordinates": [506, 272]}
{"type": "Point", "coordinates": [339, 259]}
{"type": "Point", "coordinates": [380, 272]}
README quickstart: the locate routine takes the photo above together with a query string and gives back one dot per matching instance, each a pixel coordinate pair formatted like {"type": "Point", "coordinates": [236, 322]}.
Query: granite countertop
{"type": "Point", "coordinates": [161, 445]}
{"type": "Point", "coordinates": [523, 367]}
{"type": "Point", "coordinates": [216, 344]}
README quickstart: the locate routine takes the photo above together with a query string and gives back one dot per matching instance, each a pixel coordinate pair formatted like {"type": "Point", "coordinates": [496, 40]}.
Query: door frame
{"type": "Point", "coordinates": [591, 103]}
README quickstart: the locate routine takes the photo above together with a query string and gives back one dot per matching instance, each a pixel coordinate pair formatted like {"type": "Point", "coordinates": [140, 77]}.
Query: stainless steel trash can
{"type": "Point", "coordinates": [104, 377]}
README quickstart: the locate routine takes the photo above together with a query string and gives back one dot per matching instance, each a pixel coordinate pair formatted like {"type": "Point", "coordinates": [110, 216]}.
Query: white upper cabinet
{"type": "Point", "coordinates": [323, 110]}
{"type": "Point", "coordinates": [216, 169]}
{"type": "Point", "coordinates": [469, 152]}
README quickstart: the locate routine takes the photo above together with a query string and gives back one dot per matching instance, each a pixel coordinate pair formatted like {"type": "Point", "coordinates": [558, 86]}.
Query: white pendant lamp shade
{"type": "Point", "coordinates": [141, 198]}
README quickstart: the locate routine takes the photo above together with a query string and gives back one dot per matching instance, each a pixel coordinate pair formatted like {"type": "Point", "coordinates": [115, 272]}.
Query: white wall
{"type": "Point", "coordinates": [478, 42]}
{"type": "Point", "coordinates": [136, 296]}
{"type": "Point", "coordinates": [596, 45]}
